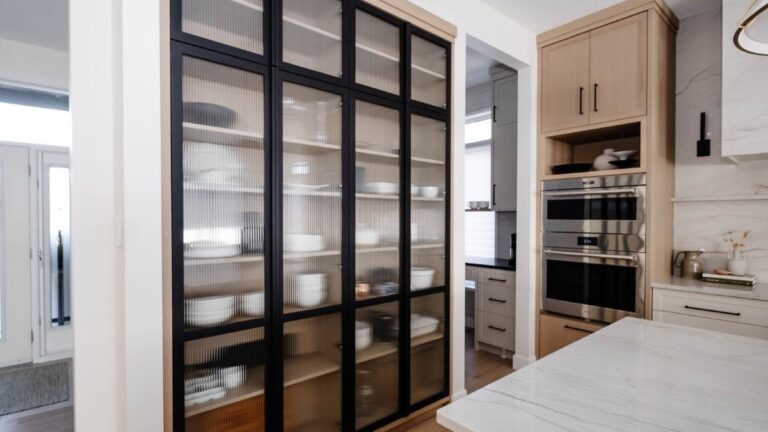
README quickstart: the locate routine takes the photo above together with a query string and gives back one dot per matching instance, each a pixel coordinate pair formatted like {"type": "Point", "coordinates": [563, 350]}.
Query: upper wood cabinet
{"type": "Point", "coordinates": [617, 69]}
{"type": "Point", "coordinates": [595, 77]}
{"type": "Point", "coordinates": [565, 84]}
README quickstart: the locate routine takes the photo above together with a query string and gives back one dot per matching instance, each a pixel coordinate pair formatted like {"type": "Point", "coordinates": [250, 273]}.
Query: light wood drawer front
{"type": "Point", "coordinates": [752, 312]}
{"type": "Point", "coordinates": [497, 299]}
{"type": "Point", "coordinates": [557, 332]}
{"type": "Point", "coordinates": [497, 330]}
{"type": "Point", "coordinates": [712, 324]}
{"type": "Point", "coordinates": [497, 277]}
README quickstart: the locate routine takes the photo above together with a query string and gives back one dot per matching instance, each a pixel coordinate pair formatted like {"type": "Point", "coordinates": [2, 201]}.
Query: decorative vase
{"type": "Point", "coordinates": [737, 263]}
{"type": "Point", "coordinates": [603, 162]}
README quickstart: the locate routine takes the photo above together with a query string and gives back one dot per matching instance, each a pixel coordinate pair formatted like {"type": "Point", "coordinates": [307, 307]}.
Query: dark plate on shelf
{"type": "Point", "coordinates": [209, 114]}
{"type": "Point", "coordinates": [571, 168]}
{"type": "Point", "coordinates": [627, 163]}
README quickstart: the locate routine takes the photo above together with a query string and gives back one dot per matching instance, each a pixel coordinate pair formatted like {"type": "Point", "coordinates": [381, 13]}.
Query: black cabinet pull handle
{"type": "Point", "coordinates": [497, 328]}
{"type": "Point", "coordinates": [713, 310]}
{"type": "Point", "coordinates": [595, 97]}
{"type": "Point", "coordinates": [494, 113]}
{"type": "Point", "coordinates": [493, 195]}
{"type": "Point", "coordinates": [497, 280]}
{"type": "Point", "coordinates": [578, 329]}
{"type": "Point", "coordinates": [496, 300]}
{"type": "Point", "coordinates": [581, 100]}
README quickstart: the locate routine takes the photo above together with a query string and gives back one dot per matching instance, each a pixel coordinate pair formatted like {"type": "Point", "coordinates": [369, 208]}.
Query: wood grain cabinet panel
{"type": "Point", "coordinates": [556, 332]}
{"type": "Point", "coordinates": [565, 84]}
{"type": "Point", "coordinates": [618, 56]}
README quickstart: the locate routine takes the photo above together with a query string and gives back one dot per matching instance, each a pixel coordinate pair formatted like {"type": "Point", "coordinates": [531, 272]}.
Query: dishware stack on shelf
{"type": "Point", "coordinates": [421, 325]}
{"type": "Point", "coordinates": [252, 304]}
{"type": "Point", "coordinates": [308, 290]}
{"type": "Point", "coordinates": [421, 278]}
{"type": "Point", "coordinates": [363, 335]}
{"type": "Point", "coordinates": [304, 243]}
{"type": "Point", "coordinates": [209, 311]}
{"type": "Point", "coordinates": [210, 249]}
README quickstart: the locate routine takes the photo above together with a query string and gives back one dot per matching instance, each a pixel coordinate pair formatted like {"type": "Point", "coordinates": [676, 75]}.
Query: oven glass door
{"type": "Point", "coordinates": [594, 286]}
{"type": "Point", "coordinates": [596, 211]}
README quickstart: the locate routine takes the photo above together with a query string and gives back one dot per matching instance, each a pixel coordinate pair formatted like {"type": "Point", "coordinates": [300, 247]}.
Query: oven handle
{"type": "Point", "coordinates": [586, 192]}
{"type": "Point", "coordinates": [592, 255]}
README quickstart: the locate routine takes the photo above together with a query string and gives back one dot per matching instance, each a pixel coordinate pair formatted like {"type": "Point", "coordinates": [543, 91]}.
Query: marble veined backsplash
{"type": "Point", "coordinates": [713, 196]}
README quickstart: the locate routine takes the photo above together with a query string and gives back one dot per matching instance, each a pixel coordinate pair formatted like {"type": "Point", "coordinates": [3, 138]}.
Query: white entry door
{"type": "Point", "coordinates": [15, 255]}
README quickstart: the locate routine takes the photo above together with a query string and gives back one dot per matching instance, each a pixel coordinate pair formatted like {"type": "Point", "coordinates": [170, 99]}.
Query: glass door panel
{"type": "Point", "coordinates": [311, 197]}
{"type": "Point", "coordinates": [224, 382]}
{"type": "Point", "coordinates": [377, 203]}
{"type": "Point", "coordinates": [376, 358]}
{"type": "Point", "coordinates": [377, 53]}
{"type": "Point", "coordinates": [428, 209]}
{"type": "Point", "coordinates": [427, 346]}
{"type": "Point", "coordinates": [223, 170]}
{"type": "Point", "coordinates": [237, 23]}
{"type": "Point", "coordinates": [428, 72]}
{"type": "Point", "coordinates": [312, 35]}
{"type": "Point", "coordinates": [312, 374]}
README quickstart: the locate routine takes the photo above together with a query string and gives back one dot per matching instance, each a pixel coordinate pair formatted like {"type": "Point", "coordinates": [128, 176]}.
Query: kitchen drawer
{"type": "Point", "coordinates": [497, 277]}
{"type": "Point", "coordinates": [712, 324]}
{"type": "Point", "coordinates": [556, 332]}
{"type": "Point", "coordinates": [743, 311]}
{"type": "Point", "coordinates": [497, 299]}
{"type": "Point", "coordinates": [496, 330]}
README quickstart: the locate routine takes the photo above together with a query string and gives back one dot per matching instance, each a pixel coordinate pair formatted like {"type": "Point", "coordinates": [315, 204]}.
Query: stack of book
{"type": "Point", "coordinates": [745, 280]}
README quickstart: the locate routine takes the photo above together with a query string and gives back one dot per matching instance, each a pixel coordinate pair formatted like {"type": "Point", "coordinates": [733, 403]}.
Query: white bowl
{"type": "Point", "coordinates": [414, 190]}
{"type": "Point", "coordinates": [483, 205]}
{"type": "Point", "coordinates": [429, 191]}
{"type": "Point", "coordinates": [624, 154]}
{"type": "Point", "coordinates": [252, 303]}
{"type": "Point", "coordinates": [382, 188]}
{"type": "Point", "coordinates": [421, 277]}
{"type": "Point", "coordinates": [308, 290]}
{"type": "Point", "coordinates": [208, 250]}
{"type": "Point", "coordinates": [209, 304]}
{"type": "Point", "coordinates": [363, 335]}
{"type": "Point", "coordinates": [309, 280]}
{"type": "Point", "coordinates": [366, 237]}
{"type": "Point", "coordinates": [303, 243]}
{"type": "Point", "coordinates": [209, 320]}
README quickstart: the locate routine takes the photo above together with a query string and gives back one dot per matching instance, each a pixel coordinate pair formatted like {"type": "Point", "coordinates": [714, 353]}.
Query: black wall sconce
{"type": "Point", "coordinates": [703, 144]}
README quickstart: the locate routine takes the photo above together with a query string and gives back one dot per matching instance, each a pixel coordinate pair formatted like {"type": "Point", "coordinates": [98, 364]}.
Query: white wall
{"type": "Point", "coordinates": [33, 65]}
{"type": "Point", "coordinates": [488, 31]}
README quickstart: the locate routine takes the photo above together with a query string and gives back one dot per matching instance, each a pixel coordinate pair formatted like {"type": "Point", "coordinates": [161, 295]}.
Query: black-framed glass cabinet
{"type": "Point", "coordinates": [310, 215]}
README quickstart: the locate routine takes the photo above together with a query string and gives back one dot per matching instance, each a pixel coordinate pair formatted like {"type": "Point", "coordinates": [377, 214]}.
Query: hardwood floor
{"type": "Point", "coordinates": [52, 420]}
{"type": "Point", "coordinates": [481, 369]}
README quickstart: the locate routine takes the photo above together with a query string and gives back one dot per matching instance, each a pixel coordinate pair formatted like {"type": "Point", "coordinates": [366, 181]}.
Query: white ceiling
{"type": "Point", "coordinates": [478, 67]}
{"type": "Point", "coordinates": [37, 22]}
{"type": "Point", "coordinates": [542, 15]}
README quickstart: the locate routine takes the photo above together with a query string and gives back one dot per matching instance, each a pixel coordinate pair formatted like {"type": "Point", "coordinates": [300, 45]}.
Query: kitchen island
{"type": "Point", "coordinates": [633, 375]}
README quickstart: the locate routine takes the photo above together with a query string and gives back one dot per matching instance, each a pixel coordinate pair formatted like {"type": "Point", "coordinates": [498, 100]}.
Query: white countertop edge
{"type": "Point", "coordinates": [757, 292]}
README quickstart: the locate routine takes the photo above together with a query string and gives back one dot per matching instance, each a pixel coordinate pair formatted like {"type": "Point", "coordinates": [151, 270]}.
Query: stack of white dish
{"type": "Point", "coordinates": [203, 388]}
{"type": "Point", "coordinates": [232, 377]}
{"type": "Point", "coordinates": [308, 290]}
{"type": "Point", "coordinates": [363, 335]}
{"type": "Point", "coordinates": [382, 188]}
{"type": "Point", "coordinates": [421, 278]}
{"type": "Point", "coordinates": [429, 191]}
{"type": "Point", "coordinates": [366, 236]}
{"type": "Point", "coordinates": [303, 243]}
{"type": "Point", "coordinates": [252, 303]}
{"type": "Point", "coordinates": [206, 249]}
{"type": "Point", "coordinates": [209, 311]}
{"type": "Point", "coordinates": [420, 325]}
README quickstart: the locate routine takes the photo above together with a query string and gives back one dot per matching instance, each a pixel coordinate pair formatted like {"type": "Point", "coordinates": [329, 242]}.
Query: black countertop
{"type": "Point", "coordinates": [496, 263]}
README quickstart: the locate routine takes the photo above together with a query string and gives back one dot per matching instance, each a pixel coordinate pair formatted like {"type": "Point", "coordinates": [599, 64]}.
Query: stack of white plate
{"type": "Point", "coordinates": [232, 377]}
{"type": "Point", "coordinates": [203, 387]}
{"type": "Point", "coordinates": [420, 325]}
{"type": "Point", "coordinates": [421, 277]}
{"type": "Point", "coordinates": [363, 335]}
{"type": "Point", "coordinates": [308, 290]}
{"type": "Point", "coordinates": [204, 249]}
{"type": "Point", "coordinates": [209, 311]}
{"type": "Point", "coordinates": [303, 243]}
{"type": "Point", "coordinates": [252, 303]}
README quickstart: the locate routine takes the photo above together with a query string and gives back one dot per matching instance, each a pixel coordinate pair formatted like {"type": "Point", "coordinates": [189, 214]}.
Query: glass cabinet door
{"type": "Point", "coordinates": [428, 360]}
{"type": "Point", "coordinates": [312, 35]}
{"type": "Point", "coordinates": [376, 363]}
{"type": "Point", "coordinates": [428, 209]}
{"type": "Point", "coordinates": [377, 53]}
{"type": "Point", "coordinates": [429, 71]}
{"type": "Point", "coordinates": [223, 184]}
{"type": "Point", "coordinates": [236, 23]}
{"type": "Point", "coordinates": [311, 197]}
{"type": "Point", "coordinates": [377, 200]}
{"type": "Point", "coordinates": [312, 374]}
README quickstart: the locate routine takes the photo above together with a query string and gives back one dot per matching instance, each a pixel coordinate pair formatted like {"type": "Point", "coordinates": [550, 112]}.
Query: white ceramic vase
{"type": "Point", "coordinates": [737, 263]}
{"type": "Point", "coordinates": [603, 162]}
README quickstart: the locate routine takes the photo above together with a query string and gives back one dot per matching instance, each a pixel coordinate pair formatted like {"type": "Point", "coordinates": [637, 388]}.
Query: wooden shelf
{"type": "Point", "coordinates": [301, 25]}
{"type": "Point", "coordinates": [234, 137]}
{"type": "Point", "coordinates": [426, 71]}
{"type": "Point", "coordinates": [203, 187]}
{"type": "Point", "coordinates": [257, 258]}
{"type": "Point", "coordinates": [253, 386]}
{"type": "Point", "coordinates": [425, 161]}
{"type": "Point", "coordinates": [306, 367]}
{"type": "Point", "coordinates": [303, 146]}
{"type": "Point", "coordinates": [383, 349]}
{"type": "Point", "coordinates": [299, 255]}
{"type": "Point", "coordinates": [427, 246]}
{"type": "Point", "coordinates": [365, 250]}
{"type": "Point", "coordinates": [249, 5]}
{"type": "Point", "coordinates": [395, 157]}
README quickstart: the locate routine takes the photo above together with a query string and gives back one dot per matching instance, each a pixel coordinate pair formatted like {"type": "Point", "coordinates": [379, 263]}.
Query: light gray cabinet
{"type": "Point", "coordinates": [495, 310]}
{"type": "Point", "coordinates": [504, 148]}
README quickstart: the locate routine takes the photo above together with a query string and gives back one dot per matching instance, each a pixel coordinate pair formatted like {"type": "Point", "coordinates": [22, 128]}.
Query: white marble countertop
{"type": "Point", "coordinates": [634, 375]}
{"type": "Point", "coordinates": [757, 292]}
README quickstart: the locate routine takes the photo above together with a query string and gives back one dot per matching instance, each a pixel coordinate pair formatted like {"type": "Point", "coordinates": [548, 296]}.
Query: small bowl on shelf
{"type": "Point", "coordinates": [429, 191]}
{"type": "Point", "coordinates": [473, 205]}
{"type": "Point", "coordinates": [421, 278]}
{"type": "Point", "coordinates": [209, 114]}
{"type": "Point", "coordinates": [483, 205]}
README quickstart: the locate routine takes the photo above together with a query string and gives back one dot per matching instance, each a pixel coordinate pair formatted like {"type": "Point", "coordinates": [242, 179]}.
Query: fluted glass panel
{"type": "Point", "coordinates": [312, 374]}
{"type": "Point", "coordinates": [377, 204]}
{"type": "Point", "coordinates": [428, 144]}
{"type": "Point", "coordinates": [428, 72]}
{"type": "Point", "coordinates": [376, 358]}
{"type": "Point", "coordinates": [312, 34]}
{"type": "Point", "coordinates": [427, 346]}
{"type": "Point", "coordinates": [237, 23]}
{"type": "Point", "coordinates": [224, 382]}
{"type": "Point", "coordinates": [223, 164]}
{"type": "Point", "coordinates": [377, 53]}
{"type": "Point", "coordinates": [311, 197]}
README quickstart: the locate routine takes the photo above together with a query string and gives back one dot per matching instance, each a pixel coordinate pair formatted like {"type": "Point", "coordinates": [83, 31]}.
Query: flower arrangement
{"type": "Point", "coordinates": [735, 242]}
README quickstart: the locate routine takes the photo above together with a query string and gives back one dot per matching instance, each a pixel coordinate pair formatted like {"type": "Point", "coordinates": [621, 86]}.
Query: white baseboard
{"type": "Point", "coordinates": [458, 395]}
{"type": "Point", "coordinates": [519, 362]}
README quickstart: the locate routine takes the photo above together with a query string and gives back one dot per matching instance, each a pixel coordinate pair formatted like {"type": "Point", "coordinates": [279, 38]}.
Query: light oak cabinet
{"type": "Point", "coordinates": [557, 332]}
{"type": "Point", "coordinates": [595, 77]}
